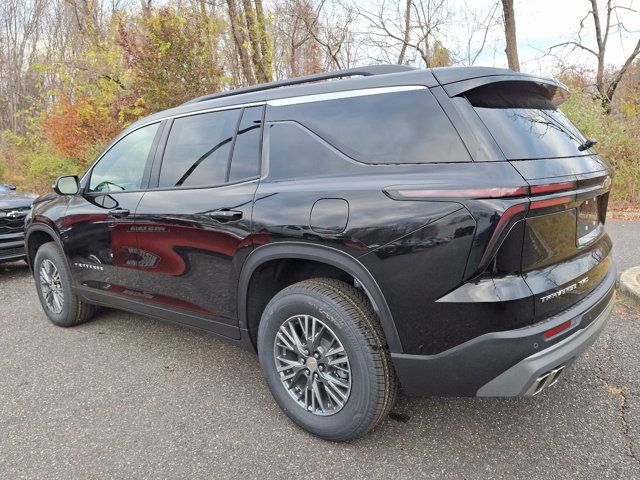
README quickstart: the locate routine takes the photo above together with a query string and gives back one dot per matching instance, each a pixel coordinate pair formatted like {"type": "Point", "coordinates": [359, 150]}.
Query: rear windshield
{"type": "Point", "coordinates": [527, 133]}
{"type": "Point", "coordinates": [524, 119]}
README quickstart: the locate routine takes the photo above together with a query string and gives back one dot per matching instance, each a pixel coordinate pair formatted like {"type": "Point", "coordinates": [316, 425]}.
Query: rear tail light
{"type": "Point", "coordinates": [418, 193]}
{"type": "Point", "coordinates": [550, 202]}
{"type": "Point", "coordinates": [476, 193]}
{"type": "Point", "coordinates": [505, 219]}
{"type": "Point", "coordinates": [548, 188]}
{"type": "Point", "coordinates": [553, 194]}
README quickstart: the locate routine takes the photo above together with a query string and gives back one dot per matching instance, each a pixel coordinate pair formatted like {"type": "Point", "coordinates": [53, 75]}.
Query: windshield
{"type": "Point", "coordinates": [528, 133]}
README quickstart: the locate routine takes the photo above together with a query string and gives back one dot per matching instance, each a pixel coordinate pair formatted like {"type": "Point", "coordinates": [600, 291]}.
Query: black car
{"type": "Point", "coordinates": [14, 207]}
{"type": "Point", "coordinates": [439, 231]}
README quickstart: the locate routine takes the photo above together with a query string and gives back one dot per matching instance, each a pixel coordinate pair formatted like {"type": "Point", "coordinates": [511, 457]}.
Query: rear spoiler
{"type": "Point", "coordinates": [500, 87]}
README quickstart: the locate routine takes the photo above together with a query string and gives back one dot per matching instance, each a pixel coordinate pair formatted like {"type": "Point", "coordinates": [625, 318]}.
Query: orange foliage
{"type": "Point", "coordinates": [75, 126]}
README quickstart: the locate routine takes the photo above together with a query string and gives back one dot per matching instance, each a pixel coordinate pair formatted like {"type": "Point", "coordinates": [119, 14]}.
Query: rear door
{"type": "Point", "coordinates": [194, 224]}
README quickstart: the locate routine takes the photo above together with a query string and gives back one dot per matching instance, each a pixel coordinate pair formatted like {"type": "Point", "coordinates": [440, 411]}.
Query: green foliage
{"type": "Point", "coordinates": [172, 56]}
{"type": "Point", "coordinates": [440, 55]}
{"type": "Point", "coordinates": [32, 164]}
{"type": "Point", "coordinates": [618, 141]}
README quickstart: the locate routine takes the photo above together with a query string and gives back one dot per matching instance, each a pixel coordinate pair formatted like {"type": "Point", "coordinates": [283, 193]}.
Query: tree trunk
{"type": "Point", "coordinates": [265, 47]}
{"type": "Point", "coordinates": [611, 90]}
{"type": "Point", "coordinates": [254, 40]}
{"type": "Point", "coordinates": [405, 36]}
{"type": "Point", "coordinates": [602, 45]}
{"type": "Point", "coordinates": [239, 39]}
{"type": "Point", "coordinates": [145, 5]}
{"type": "Point", "coordinates": [510, 35]}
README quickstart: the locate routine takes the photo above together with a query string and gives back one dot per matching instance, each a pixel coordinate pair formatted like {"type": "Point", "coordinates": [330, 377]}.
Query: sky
{"type": "Point", "coordinates": [543, 23]}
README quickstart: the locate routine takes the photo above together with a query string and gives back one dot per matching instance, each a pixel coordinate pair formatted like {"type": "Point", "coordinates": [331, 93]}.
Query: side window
{"type": "Point", "coordinates": [296, 152]}
{"type": "Point", "coordinates": [381, 128]}
{"type": "Point", "coordinates": [246, 150]}
{"type": "Point", "coordinates": [198, 148]}
{"type": "Point", "coordinates": [122, 167]}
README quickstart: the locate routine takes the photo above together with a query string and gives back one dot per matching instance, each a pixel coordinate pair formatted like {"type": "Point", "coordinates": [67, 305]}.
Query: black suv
{"type": "Point", "coordinates": [14, 207]}
{"type": "Point", "coordinates": [436, 230]}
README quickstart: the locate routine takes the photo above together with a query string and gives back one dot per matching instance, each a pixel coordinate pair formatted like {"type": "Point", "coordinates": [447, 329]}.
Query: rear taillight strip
{"type": "Point", "coordinates": [552, 188]}
{"type": "Point", "coordinates": [414, 192]}
{"type": "Point", "coordinates": [476, 193]}
{"type": "Point", "coordinates": [550, 202]}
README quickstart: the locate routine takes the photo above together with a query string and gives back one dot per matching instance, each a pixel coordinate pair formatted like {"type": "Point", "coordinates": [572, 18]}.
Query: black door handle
{"type": "Point", "coordinates": [119, 212]}
{"type": "Point", "coordinates": [226, 215]}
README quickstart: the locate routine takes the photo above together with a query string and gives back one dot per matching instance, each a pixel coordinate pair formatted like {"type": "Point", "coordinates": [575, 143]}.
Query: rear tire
{"type": "Point", "coordinates": [342, 395]}
{"type": "Point", "coordinates": [53, 283]}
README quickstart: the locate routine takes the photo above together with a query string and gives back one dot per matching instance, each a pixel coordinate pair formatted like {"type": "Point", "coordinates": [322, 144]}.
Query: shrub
{"type": "Point", "coordinates": [618, 142]}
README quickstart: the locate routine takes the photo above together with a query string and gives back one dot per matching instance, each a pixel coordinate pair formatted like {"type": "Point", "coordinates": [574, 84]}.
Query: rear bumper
{"type": "Point", "coordinates": [510, 363]}
{"type": "Point", "coordinates": [534, 373]}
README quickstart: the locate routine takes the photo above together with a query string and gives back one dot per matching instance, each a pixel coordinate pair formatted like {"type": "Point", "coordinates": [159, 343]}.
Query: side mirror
{"type": "Point", "coordinates": [67, 185]}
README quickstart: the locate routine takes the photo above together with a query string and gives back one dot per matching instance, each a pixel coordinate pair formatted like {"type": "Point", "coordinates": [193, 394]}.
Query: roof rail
{"type": "Point", "coordinates": [349, 72]}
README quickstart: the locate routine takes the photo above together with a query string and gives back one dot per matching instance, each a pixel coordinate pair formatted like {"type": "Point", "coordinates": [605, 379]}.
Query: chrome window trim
{"type": "Point", "coordinates": [321, 97]}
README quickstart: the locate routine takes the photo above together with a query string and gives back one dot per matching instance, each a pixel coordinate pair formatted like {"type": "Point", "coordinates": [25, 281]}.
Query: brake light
{"type": "Point", "coordinates": [411, 192]}
{"type": "Point", "coordinates": [550, 202]}
{"type": "Point", "coordinates": [552, 188]}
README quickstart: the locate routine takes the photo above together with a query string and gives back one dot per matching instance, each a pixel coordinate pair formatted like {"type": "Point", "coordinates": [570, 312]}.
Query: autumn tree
{"type": "Point", "coordinates": [478, 24]}
{"type": "Point", "coordinates": [20, 35]}
{"type": "Point", "coordinates": [402, 27]}
{"type": "Point", "coordinates": [604, 29]}
{"type": "Point", "coordinates": [296, 50]}
{"type": "Point", "coordinates": [170, 58]}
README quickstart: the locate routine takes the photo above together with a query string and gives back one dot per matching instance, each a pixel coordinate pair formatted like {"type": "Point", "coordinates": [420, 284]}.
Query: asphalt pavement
{"type": "Point", "coordinates": [626, 243]}
{"type": "Point", "coordinates": [124, 396]}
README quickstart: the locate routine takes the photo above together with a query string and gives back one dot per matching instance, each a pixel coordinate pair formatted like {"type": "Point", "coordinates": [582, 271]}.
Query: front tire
{"type": "Point", "coordinates": [53, 283]}
{"type": "Point", "coordinates": [325, 360]}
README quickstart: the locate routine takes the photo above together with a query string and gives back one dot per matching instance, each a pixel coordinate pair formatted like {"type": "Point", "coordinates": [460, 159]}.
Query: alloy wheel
{"type": "Point", "coordinates": [51, 286]}
{"type": "Point", "coordinates": [313, 365]}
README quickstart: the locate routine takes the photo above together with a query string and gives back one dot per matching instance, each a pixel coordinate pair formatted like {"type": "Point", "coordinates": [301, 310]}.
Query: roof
{"type": "Point", "coordinates": [455, 80]}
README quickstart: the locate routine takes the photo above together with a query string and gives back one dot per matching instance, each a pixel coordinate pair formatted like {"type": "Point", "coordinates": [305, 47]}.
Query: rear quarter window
{"type": "Point", "coordinates": [382, 128]}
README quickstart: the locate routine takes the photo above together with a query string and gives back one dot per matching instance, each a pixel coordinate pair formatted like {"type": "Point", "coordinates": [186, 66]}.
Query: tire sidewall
{"type": "Point", "coordinates": [49, 251]}
{"type": "Point", "coordinates": [358, 411]}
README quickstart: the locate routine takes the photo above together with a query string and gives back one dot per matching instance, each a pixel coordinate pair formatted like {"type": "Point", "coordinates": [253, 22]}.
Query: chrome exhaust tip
{"type": "Point", "coordinates": [546, 380]}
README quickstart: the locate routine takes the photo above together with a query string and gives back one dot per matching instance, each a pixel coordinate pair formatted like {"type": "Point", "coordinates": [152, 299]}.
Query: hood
{"type": "Point", "coordinates": [16, 199]}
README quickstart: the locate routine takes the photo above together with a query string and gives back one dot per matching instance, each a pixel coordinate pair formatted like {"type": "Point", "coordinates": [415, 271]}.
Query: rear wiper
{"type": "Point", "coordinates": [588, 144]}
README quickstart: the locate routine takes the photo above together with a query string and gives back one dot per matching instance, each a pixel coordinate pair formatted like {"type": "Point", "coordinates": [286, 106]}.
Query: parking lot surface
{"type": "Point", "coordinates": [124, 396]}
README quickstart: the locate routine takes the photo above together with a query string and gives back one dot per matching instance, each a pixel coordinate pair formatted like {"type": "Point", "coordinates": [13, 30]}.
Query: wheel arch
{"type": "Point", "coordinates": [321, 254]}
{"type": "Point", "coordinates": [37, 235]}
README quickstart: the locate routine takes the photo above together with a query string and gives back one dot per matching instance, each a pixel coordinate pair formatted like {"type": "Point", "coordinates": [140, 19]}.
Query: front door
{"type": "Point", "coordinates": [97, 230]}
{"type": "Point", "coordinates": [194, 227]}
